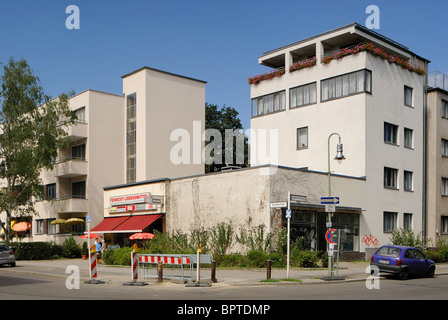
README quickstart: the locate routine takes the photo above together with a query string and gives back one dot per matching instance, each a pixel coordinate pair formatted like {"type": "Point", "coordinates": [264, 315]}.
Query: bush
{"type": "Point", "coordinates": [121, 256]}
{"type": "Point", "coordinates": [233, 260]}
{"type": "Point", "coordinates": [70, 249]}
{"type": "Point", "coordinates": [304, 258]}
{"type": "Point", "coordinates": [32, 250]}
{"type": "Point", "coordinates": [278, 259]}
{"type": "Point", "coordinates": [256, 258]}
{"type": "Point", "coordinates": [408, 238]}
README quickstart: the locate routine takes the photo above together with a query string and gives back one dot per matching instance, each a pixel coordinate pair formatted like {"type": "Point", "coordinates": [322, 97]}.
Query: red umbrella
{"type": "Point", "coordinates": [92, 236]}
{"type": "Point", "coordinates": [141, 236]}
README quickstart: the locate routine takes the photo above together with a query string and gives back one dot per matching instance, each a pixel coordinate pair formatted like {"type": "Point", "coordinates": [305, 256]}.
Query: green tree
{"type": "Point", "coordinates": [32, 132]}
{"type": "Point", "coordinates": [222, 119]}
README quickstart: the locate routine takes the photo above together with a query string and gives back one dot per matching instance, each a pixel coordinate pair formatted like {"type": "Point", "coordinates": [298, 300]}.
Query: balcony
{"type": "Point", "coordinates": [71, 168]}
{"type": "Point", "coordinates": [71, 204]}
{"type": "Point", "coordinates": [77, 131]}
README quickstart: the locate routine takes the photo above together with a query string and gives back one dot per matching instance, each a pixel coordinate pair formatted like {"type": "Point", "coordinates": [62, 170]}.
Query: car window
{"type": "Point", "coordinates": [389, 251]}
{"type": "Point", "coordinates": [3, 247]}
{"type": "Point", "coordinates": [419, 254]}
{"type": "Point", "coordinates": [409, 254]}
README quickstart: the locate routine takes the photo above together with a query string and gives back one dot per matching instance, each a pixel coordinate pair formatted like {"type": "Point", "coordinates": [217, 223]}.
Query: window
{"type": "Point", "coordinates": [50, 192]}
{"type": "Point", "coordinates": [444, 109]}
{"type": "Point", "coordinates": [444, 148]}
{"type": "Point", "coordinates": [390, 178]}
{"type": "Point", "coordinates": [408, 138]}
{"type": "Point", "coordinates": [303, 95]}
{"type": "Point", "coordinates": [80, 114]}
{"type": "Point", "coordinates": [389, 221]}
{"type": "Point", "coordinates": [390, 133]}
{"type": "Point", "coordinates": [346, 85]}
{"type": "Point", "coordinates": [269, 104]}
{"type": "Point", "coordinates": [444, 186]}
{"type": "Point", "coordinates": [131, 116]}
{"type": "Point", "coordinates": [408, 183]}
{"type": "Point", "coordinates": [408, 96]}
{"type": "Point", "coordinates": [302, 138]}
{"type": "Point", "coordinates": [444, 227]}
{"type": "Point", "coordinates": [407, 221]}
{"type": "Point", "coordinates": [51, 227]}
{"type": "Point", "coordinates": [39, 226]}
{"type": "Point", "coordinates": [79, 190]}
{"type": "Point", "coordinates": [79, 152]}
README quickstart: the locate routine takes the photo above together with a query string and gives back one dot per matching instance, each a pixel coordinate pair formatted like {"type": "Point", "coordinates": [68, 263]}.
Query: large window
{"type": "Point", "coordinates": [270, 103]}
{"type": "Point", "coordinates": [444, 190]}
{"type": "Point", "coordinates": [303, 95]}
{"type": "Point", "coordinates": [131, 117]}
{"type": "Point", "coordinates": [50, 191]}
{"type": "Point", "coordinates": [389, 221]}
{"type": "Point", "coordinates": [390, 178]}
{"type": "Point", "coordinates": [390, 133]}
{"type": "Point", "coordinates": [79, 152]}
{"type": "Point", "coordinates": [346, 85]}
{"type": "Point", "coordinates": [79, 190]}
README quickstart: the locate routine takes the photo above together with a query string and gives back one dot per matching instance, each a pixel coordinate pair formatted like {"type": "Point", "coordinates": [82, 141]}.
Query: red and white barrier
{"type": "Point", "coordinates": [164, 259]}
{"type": "Point", "coordinates": [134, 259]}
{"type": "Point", "coordinates": [93, 272]}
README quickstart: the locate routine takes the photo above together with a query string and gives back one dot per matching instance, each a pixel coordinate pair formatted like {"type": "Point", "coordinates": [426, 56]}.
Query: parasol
{"type": "Point", "coordinates": [58, 221]}
{"type": "Point", "coordinates": [92, 236]}
{"type": "Point", "coordinates": [73, 221]}
{"type": "Point", "coordinates": [141, 236]}
{"type": "Point", "coordinates": [21, 226]}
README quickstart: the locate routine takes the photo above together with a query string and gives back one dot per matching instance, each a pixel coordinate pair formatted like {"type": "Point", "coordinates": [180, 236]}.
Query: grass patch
{"type": "Point", "coordinates": [278, 280]}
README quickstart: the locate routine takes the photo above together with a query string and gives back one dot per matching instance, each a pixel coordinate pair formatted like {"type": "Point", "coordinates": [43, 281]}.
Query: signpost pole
{"type": "Point", "coordinates": [287, 245]}
{"type": "Point", "coordinates": [89, 218]}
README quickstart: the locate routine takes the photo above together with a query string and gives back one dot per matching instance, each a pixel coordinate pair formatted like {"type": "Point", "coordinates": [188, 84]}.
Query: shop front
{"type": "Point", "coordinates": [308, 226]}
{"type": "Point", "coordinates": [131, 214]}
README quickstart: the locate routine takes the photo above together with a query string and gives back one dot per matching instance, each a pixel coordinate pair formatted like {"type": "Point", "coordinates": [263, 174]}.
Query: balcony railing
{"type": "Point", "coordinates": [70, 168]}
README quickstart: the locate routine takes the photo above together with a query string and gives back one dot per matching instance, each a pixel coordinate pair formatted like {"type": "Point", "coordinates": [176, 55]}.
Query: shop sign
{"type": "Point", "coordinates": [130, 199]}
{"type": "Point", "coordinates": [137, 207]}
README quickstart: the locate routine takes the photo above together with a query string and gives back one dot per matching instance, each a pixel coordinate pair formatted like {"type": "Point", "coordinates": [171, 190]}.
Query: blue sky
{"type": "Point", "coordinates": [215, 41]}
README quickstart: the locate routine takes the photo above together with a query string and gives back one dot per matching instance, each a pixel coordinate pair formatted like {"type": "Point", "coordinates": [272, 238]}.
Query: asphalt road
{"type": "Point", "coordinates": [14, 286]}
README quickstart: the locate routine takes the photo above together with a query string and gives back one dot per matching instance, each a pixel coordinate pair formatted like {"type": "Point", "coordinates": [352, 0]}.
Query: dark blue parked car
{"type": "Point", "coordinates": [403, 261]}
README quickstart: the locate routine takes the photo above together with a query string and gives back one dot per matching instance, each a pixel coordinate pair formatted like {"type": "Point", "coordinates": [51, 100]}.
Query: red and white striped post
{"type": "Point", "coordinates": [93, 270]}
{"type": "Point", "coordinates": [134, 271]}
{"type": "Point", "coordinates": [134, 260]}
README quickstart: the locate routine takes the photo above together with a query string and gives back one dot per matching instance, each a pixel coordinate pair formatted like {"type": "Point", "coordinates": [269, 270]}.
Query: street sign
{"type": "Point", "coordinates": [329, 235]}
{"type": "Point", "coordinates": [280, 204]}
{"type": "Point", "coordinates": [330, 208]}
{"type": "Point", "coordinates": [297, 198]}
{"type": "Point", "coordinates": [288, 213]}
{"type": "Point", "coordinates": [329, 200]}
{"type": "Point", "coordinates": [89, 218]}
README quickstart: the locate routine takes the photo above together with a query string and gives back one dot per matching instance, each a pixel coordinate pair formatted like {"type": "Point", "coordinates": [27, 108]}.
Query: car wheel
{"type": "Point", "coordinates": [12, 264]}
{"type": "Point", "coordinates": [403, 275]}
{"type": "Point", "coordinates": [431, 271]}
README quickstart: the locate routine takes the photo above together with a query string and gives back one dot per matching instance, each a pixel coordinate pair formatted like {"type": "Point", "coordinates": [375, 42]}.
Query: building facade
{"type": "Point", "coordinates": [437, 159]}
{"type": "Point", "coordinates": [116, 139]}
{"type": "Point", "coordinates": [368, 89]}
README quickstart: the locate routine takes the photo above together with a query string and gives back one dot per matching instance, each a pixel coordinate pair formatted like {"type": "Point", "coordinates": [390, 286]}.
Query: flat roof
{"type": "Point", "coordinates": [166, 72]}
{"type": "Point", "coordinates": [357, 26]}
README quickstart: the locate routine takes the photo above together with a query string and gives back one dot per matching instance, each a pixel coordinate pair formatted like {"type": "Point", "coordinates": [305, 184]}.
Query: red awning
{"type": "Point", "coordinates": [109, 224]}
{"type": "Point", "coordinates": [126, 224]}
{"type": "Point", "coordinates": [137, 223]}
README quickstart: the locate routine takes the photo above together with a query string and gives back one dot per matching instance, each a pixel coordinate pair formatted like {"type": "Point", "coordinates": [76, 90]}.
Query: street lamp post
{"type": "Point", "coordinates": [339, 157]}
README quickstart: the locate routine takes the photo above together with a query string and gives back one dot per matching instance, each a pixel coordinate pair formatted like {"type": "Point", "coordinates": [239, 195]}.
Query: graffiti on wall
{"type": "Point", "coordinates": [370, 240]}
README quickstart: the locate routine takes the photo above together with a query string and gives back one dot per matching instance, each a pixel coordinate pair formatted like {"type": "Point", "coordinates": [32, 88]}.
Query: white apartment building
{"type": "Point", "coordinates": [118, 139]}
{"type": "Point", "coordinates": [370, 90]}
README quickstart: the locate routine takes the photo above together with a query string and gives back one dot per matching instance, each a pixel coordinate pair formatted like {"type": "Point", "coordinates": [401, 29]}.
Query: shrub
{"type": "Point", "coordinates": [233, 260]}
{"type": "Point", "coordinates": [407, 238]}
{"type": "Point", "coordinates": [278, 259]}
{"type": "Point", "coordinates": [70, 249]}
{"type": "Point", "coordinates": [121, 256]}
{"type": "Point", "coordinates": [256, 258]}
{"type": "Point", "coordinates": [32, 250]}
{"type": "Point", "coordinates": [304, 258]}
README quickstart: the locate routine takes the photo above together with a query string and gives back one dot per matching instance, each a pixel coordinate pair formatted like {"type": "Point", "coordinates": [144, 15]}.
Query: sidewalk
{"type": "Point", "coordinates": [351, 271]}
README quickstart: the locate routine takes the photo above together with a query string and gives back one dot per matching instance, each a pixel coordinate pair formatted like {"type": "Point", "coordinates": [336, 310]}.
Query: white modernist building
{"type": "Point", "coordinates": [371, 91]}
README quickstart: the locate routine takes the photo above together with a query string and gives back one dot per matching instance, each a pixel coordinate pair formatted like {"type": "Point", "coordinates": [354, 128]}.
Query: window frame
{"type": "Point", "coordinates": [405, 102]}
{"type": "Point", "coordinates": [345, 87]}
{"type": "Point", "coordinates": [393, 179]}
{"type": "Point", "coordinates": [302, 88]}
{"type": "Point", "coordinates": [408, 175]}
{"type": "Point", "coordinates": [406, 138]}
{"type": "Point", "coordinates": [393, 221]}
{"type": "Point", "coordinates": [281, 107]}
{"type": "Point", "coordinates": [297, 137]}
{"type": "Point", "coordinates": [394, 133]}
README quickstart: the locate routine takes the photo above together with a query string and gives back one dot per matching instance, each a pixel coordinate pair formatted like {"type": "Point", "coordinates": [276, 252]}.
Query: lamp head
{"type": "Point", "coordinates": [339, 155]}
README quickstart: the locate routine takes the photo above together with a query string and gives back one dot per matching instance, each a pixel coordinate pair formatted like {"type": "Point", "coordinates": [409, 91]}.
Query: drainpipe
{"type": "Point", "coordinates": [425, 157]}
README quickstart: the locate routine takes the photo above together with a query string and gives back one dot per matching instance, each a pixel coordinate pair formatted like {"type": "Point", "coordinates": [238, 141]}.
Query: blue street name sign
{"type": "Point", "coordinates": [329, 200]}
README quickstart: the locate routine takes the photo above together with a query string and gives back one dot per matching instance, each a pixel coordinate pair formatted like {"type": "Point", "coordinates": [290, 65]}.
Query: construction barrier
{"type": "Point", "coordinates": [93, 270]}
{"type": "Point", "coordinates": [176, 266]}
